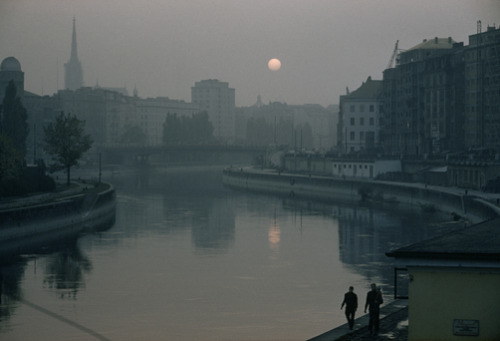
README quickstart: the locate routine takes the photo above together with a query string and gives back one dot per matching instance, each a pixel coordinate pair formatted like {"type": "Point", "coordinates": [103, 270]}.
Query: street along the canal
{"type": "Point", "coordinates": [188, 259]}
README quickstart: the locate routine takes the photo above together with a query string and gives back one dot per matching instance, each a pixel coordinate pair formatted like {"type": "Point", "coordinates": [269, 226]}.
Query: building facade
{"type": "Point", "coordinates": [443, 97]}
{"type": "Point", "coordinates": [482, 89]}
{"type": "Point", "coordinates": [359, 118]}
{"type": "Point", "coordinates": [415, 120]}
{"type": "Point", "coordinates": [218, 99]}
{"type": "Point", "coordinates": [366, 169]}
{"type": "Point", "coordinates": [443, 102]}
{"type": "Point", "coordinates": [322, 122]}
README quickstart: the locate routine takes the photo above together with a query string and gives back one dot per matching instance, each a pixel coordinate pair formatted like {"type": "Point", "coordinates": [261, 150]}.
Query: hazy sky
{"type": "Point", "coordinates": [164, 46]}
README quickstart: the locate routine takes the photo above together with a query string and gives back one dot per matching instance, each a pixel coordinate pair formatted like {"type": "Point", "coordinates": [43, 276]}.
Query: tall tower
{"type": "Point", "coordinates": [73, 76]}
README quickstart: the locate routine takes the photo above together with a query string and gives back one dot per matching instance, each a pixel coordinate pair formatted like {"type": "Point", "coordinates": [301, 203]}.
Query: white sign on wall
{"type": "Point", "coordinates": [466, 327]}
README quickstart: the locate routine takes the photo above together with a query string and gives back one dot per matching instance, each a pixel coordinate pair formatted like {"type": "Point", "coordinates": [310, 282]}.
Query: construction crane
{"type": "Point", "coordinates": [394, 54]}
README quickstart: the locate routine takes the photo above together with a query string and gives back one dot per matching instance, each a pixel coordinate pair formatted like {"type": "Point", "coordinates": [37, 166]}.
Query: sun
{"type": "Point", "coordinates": [274, 64]}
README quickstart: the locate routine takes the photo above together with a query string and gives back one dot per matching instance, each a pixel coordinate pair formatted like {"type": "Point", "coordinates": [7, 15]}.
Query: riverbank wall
{"type": "Point", "coordinates": [468, 205]}
{"type": "Point", "coordinates": [26, 226]}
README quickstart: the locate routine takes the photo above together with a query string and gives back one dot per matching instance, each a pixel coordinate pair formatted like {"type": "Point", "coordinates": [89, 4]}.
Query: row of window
{"type": "Point", "coordinates": [371, 108]}
{"type": "Point", "coordinates": [371, 121]}
{"type": "Point", "coordinates": [350, 166]}
{"type": "Point", "coordinates": [362, 135]}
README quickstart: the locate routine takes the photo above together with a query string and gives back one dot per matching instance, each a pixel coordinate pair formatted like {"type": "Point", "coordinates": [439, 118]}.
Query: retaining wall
{"type": "Point", "coordinates": [354, 190]}
{"type": "Point", "coordinates": [24, 226]}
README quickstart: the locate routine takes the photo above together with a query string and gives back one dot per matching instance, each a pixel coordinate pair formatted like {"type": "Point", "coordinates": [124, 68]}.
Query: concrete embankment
{"type": "Point", "coordinates": [470, 205]}
{"type": "Point", "coordinates": [29, 222]}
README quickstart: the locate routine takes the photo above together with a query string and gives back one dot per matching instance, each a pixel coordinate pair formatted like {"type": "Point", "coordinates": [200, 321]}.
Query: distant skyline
{"type": "Point", "coordinates": [162, 47]}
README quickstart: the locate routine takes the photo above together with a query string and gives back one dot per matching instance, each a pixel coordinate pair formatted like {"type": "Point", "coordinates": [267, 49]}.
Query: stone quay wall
{"type": "Point", "coordinates": [458, 202]}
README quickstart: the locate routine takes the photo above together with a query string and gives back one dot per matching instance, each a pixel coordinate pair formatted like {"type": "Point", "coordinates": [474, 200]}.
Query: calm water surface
{"type": "Point", "coordinates": [188, 259]}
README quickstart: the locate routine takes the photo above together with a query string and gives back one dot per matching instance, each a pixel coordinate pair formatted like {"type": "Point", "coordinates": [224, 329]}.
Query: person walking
{"type": "Point", "coordinates": [351, 304]}
{"type": "Point", "coordinates": [373, 301]}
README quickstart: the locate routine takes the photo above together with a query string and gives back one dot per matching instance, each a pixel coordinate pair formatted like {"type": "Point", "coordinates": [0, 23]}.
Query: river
{"type": "Point", "coordinates": [188, 259]}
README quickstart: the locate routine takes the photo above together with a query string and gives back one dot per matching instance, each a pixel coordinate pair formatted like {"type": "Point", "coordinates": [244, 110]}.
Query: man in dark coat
{"type": "Point", "coordinates": [351, 304]}
{"type": "Point", "coordinates": [374, 300]}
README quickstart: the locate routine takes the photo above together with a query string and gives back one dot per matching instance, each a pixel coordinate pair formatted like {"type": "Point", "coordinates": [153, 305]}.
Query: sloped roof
{"type": "Point", "coordinates": [369, 89]}
{"type": "Point", "coordinates": [436, 43]}
{"type": "Point", "coordinates": [477, 242]}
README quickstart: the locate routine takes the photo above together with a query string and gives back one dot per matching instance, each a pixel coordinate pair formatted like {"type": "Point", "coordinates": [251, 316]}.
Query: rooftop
{"type": "Point", "coordinates": [10, 64]}
{"type": "Point", "coordinates": [368, 90]}
{"type": "Point", "coordinates": [436, 43]}
{"type": "Point", "coordinates": [477, 242]}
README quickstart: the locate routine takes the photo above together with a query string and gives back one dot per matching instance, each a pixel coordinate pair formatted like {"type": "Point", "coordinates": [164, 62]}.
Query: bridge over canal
{"type": "Point", "coordinates": [212, 154]}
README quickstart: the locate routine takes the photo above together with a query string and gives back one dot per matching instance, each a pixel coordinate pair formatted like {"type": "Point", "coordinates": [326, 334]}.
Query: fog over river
{"type": "Point", "coordinates": [188, 259]}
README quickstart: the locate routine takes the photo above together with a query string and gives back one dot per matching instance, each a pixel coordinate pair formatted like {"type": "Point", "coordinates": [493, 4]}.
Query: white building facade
{"type": "Point", "coordinates": [366, 169]}
{"type": "Point", "coordinates": [218, 99]}
{"type": "Point", "coordinates": [360, 111]}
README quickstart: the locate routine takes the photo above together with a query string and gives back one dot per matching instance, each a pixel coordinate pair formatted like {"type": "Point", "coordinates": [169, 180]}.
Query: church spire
{"type": "Point", "coordinates": [74, 54]}
{"type": "Point", "coordinates": [73, 68]}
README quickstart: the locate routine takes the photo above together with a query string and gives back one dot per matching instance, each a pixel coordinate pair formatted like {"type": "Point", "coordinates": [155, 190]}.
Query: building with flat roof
{"type": "Point", "coordinates": [482, 89]}
{"type": "Point", "coordinates": [218, 99]}
{"type": "Point", "coordinates": [419, 95]}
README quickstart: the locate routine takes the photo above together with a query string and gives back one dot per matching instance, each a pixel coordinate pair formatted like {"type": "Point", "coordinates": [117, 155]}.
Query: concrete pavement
{"type": "Point", "coordinates": [393, 326]}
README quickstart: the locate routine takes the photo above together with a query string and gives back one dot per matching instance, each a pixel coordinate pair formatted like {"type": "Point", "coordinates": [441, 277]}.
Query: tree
{"type": "Point", "coordinates": [133, 135]}
{"type": "Point", "coordinates": [14, 119]}
{"type": "Point", "coordinates": [259, 132]}
{"type": "Point", "coordinates": [66, 142]}
{"type": "Point", "coordinates": [201, 128]}
{"type": "Point", "coordinates": [10, 164]}
{"type": "Point", "coordinates": [172, 130]}
{"type": "Point", "coordinates": [194, 130]}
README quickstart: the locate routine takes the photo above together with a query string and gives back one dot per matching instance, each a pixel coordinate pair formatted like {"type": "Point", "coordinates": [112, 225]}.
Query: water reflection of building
{"type": "Point", "coordinates": [213, 228]}
{"type": "Point", "coordinates": [366, 233]}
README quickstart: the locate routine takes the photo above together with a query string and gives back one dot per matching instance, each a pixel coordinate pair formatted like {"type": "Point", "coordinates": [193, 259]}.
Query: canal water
{"type": "Point", "coordinates": [188, 259]}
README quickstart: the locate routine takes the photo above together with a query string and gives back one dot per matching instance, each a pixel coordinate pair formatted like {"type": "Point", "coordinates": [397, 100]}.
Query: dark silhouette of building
{"type": "Point", "coordinates": [443, 102]}
{"type": "Point", "coordinates": [422, 96]}
{"type": "Point", "coordinates": [73, 75]}
{"type": "Point", "coordinates": [482, 84]}
{"type": "Point", "coordinates": [10, 70]}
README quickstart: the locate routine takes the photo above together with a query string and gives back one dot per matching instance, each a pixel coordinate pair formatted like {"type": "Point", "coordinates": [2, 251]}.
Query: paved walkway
{"type": "Point", "coordinates": [393, 326]}
{"type": "Point", "coordinates": [40, 198]}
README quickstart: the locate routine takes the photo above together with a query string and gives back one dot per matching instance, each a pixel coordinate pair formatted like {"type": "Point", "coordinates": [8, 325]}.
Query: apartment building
{"type": "Point", "coordinates": [218, 99]}
{"type": "Point", "coordinates": [482, 89]}
{"type": "Point", "coordinates": [359, 118]}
